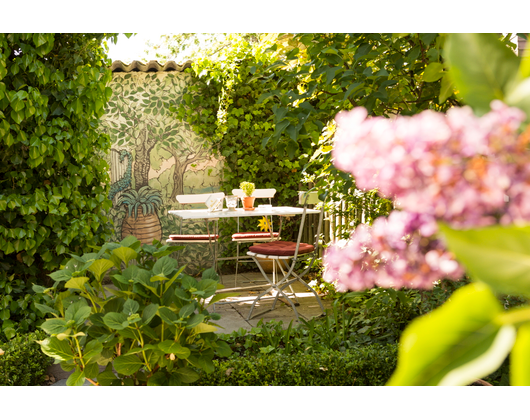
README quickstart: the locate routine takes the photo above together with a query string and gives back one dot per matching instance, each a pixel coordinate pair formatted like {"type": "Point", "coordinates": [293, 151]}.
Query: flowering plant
{"type": "Point", "coordinates": [462, 187]}
{"type": "Point", "coordinates": [248, 188]}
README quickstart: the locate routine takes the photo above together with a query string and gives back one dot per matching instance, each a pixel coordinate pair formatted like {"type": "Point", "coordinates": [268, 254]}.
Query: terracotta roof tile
{"type": "Point", "coordinates": [153, 66]}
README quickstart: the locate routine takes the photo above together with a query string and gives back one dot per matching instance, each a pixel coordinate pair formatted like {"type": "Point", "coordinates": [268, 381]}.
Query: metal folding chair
{"type": "Point", "coordinates": [253, 236]}
{"type": "Point", "coordinates": [285, 250]}
{"type": "Point", "coordinates": [211, 238]}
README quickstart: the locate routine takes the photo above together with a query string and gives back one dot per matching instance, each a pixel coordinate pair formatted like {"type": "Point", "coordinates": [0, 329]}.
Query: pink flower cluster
{"type": "Point", "coordinates": [456, 168]}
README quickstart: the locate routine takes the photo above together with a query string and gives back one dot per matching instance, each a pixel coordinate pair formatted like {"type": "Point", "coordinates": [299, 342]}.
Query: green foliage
{"type": "Point", "coordinates": [382, 72]}
{"type": "Point", "coordinates": [151, 328]}
{"type": "Point", "coordinates": [362, 366]}
{"type": "Point", "coordinates": [18, 313]}
{"type": "Point", "coordinates": [472, 334]}
{"type": "Point", "coordinates": [320, 74]}
{"type": "Point", "coordinates": [23, 364]}
{"type": "Point", "coordinates": [221, 105]}
{"type": "Point", "coordinates": [53, 181]}
{"type": "Point", "coordinates": [484, 70]}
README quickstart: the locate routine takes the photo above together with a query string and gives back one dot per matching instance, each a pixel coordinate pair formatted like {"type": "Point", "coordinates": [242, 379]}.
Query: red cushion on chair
{"type": "Point", "coordinates": [253, 235]}
{"type": "Point", "coordinates": [193, 237]}
{"type": "Point", "coordinates": [281, 248]}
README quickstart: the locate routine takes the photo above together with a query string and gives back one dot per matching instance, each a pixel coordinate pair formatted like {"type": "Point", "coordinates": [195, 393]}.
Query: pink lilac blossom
{"type": "Point", "coordinates": [456, 168]}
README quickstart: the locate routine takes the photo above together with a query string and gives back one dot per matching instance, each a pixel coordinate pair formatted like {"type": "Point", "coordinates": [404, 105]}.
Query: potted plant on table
{"type": "Point", "coordinates": [248, 189]}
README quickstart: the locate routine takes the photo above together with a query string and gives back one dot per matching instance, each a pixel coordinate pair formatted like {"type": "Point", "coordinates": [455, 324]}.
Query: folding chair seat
{"type": "Point", "coordinates": [288, 250]}
{"type": "Point", "coordinates": [253, 236]}
{"type": "Point", "coordinates": [211, 238]}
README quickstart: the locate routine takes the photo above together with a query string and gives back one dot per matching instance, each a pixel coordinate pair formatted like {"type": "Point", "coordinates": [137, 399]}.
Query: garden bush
{"type": "Point", "coordinates": [362, 366]}
{"type": "Point", "coordinates": [53, 177]}
{"type": "Point", "coordinates": [149, 328]}
{"type": "Point", "coordinates": [22, 362]}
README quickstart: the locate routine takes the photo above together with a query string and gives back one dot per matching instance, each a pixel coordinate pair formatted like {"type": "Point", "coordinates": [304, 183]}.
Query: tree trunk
{"type": "Point", "coordinates": [178, 178]}
{"type": "Point", "coordinates": [142, 162]}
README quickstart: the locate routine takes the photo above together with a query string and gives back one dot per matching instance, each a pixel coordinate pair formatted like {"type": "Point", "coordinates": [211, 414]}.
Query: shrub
{"type": "Point", "coordinates": [18, 312]}
{"type": "Point", "coordinates": [53, 177]}
{"type": "Point", "coordinates": [362, 366]}
{"type": "Point", "coordinates": [23, 363]}
{"type": "Point", "coordinates": [150, 329]}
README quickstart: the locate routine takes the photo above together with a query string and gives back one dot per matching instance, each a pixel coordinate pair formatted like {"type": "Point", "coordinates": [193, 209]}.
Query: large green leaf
{"type": "Point", "coordinates": [77, 378]}
{"type": "Point", "coordinates": [78, 312]}
{"type": "Point", "coordinates": [116, 321]}
{"type": "Point", "coordinates": [481, 66]}
{"type": "Point", "coordinates": [455, 344]}
{"type": "Point", "coordinates": [54, 326]}
{"type": "Point", "coordinates": [59, 350]}
{"type": "Point", "coordinates": [76, 283]}
{"type": "Point", "coordinates": [92, 350]}
{"type": "Point", "coordinates": [519, 360]}
{"type": "Point", "coordinates": [178, 350]}
{"type": "Point", "coordinates": [187, 375]}
{"type": "Point", "coordinates": [167, 315]}
{"type": "Point", "coordinates": [165, 266]}
{"type": "Point", "coordinates": [127, 364]}
{"type": "Point", "coordinates": [99, 267]}
{"type": "Point", "coordinates": [496, 255]}
{"type": "Point", "coordinates": [125, 254]}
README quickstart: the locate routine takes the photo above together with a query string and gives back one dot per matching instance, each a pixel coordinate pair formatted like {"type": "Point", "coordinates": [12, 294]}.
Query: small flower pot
{"type": "Point", "coordinates": [248, 203]}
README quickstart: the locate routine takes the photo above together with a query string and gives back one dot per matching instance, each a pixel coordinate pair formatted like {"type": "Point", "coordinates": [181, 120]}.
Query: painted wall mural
{"type": "Point", "coordinates": [154, 158]}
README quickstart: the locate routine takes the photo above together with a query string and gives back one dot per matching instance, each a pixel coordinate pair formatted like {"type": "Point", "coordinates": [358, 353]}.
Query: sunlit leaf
{"type": "Point", "coordinates": [455, 344]}
{"type": "Point", "coordinates": [496, 255]}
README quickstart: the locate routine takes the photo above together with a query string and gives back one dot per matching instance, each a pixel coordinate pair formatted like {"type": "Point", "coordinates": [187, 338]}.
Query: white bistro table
{"type": "Point", "coordinates": [225, 213]}
{"type": "Point", "coordinates": [205, 214]}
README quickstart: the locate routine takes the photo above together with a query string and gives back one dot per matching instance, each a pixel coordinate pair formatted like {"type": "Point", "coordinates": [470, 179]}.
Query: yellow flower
{"type": "Point", "coordinates": [1, 352]}
{"type": "Point", "coordinates": [264, 224]}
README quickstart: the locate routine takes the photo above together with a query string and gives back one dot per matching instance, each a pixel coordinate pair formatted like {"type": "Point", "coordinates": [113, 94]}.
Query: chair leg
{"type": "Point", "coordinates": [237, 263]}
{"type": "Point", "coordinates": [273, 286]}
{"type": "Point", "coordinates": [280, 286]}
{"type": "Point", "coordinates": [274, 304]}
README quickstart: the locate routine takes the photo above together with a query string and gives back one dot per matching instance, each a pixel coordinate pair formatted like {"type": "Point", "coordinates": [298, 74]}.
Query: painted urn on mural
{"type": "Point", "coordinates": [248, 189]}
{"type": "Point", "coordinates": [141, 220]}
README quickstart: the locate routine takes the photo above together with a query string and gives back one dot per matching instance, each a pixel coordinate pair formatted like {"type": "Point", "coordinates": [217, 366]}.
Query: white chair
{"type": "Point", "coordinates": [285, 250]}
{"type": "Point", "coordinates": [211, 238]}
{"type": "Point", "coordinates": [253, 236]}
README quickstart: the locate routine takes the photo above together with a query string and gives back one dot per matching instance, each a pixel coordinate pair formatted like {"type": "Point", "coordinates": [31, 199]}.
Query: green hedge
{"type": "Point", "coordinates": [23, 363]}
{"type": "Point", "coordinates": [363, 366]}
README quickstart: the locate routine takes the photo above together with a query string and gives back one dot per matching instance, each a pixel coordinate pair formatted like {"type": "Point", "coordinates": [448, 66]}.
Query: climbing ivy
{"type": "Point", "coordinates": [222, 106]}
{"type": "Point", "coordinates": [53, 184]}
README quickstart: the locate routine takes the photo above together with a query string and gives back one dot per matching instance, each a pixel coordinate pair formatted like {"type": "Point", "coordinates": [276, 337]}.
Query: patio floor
{"type": "Point", "coordinates": [235, 310]}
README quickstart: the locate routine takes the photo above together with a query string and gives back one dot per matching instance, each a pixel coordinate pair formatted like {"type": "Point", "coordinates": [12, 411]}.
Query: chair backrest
{"type": "Point", "coordinates": [306, 198]}
{"type": "Point", "coordinates": [198, 198]}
